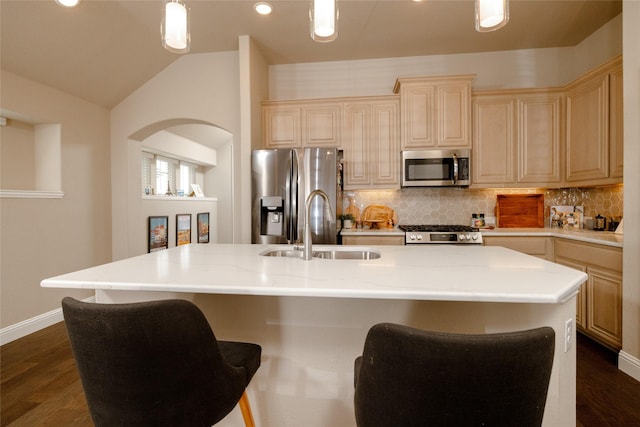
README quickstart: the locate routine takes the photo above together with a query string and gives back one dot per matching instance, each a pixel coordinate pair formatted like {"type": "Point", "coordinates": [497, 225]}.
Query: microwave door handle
{"type": "Point", "coordinates": [455, 168]}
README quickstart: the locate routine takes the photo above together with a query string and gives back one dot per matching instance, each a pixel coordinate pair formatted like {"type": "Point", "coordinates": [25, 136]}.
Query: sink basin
{"type": "Point", "coordinates": [334, 253]}
{"type": "Point", "coordinates": [287, 253]}
{"type": "Point", "coordinates": [347, 254]}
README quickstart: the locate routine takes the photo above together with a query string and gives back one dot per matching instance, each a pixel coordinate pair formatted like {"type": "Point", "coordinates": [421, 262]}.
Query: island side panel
{"type": "Point", "coordinates": [309, 346]}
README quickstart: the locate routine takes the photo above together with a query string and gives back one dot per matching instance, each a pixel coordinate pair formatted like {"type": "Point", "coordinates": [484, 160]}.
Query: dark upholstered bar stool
{"type": "Point", "coordinates": [410, 377]}
{"type": "Point", "coordinates": [157, 364]}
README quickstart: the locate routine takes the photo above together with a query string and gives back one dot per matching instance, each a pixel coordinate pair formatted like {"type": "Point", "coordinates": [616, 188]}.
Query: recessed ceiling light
{"type": "Point", "coordinates": [263, 8]}
{"type": "Point", "coordinates": [68, 3]}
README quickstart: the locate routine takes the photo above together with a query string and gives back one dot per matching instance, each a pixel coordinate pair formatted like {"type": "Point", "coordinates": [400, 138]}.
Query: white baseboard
{"type": "Point", "coordinates": [629, 364]}
{"type": "Point", "coordinates": [34, 324]}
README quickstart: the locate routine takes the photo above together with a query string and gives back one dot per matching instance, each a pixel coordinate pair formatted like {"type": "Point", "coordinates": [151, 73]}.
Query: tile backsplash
{"type": "Point", "coordinates": [455, 205]}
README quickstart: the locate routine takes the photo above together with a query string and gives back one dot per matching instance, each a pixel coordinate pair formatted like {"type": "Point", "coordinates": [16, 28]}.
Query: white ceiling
{"type": "Point", "coordinates": [102, 51]}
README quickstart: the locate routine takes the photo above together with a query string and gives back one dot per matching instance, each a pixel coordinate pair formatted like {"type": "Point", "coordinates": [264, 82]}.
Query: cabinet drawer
{"type": "Point", "coordinates": [537, 246]}
{"type": "Point", "coordinates": [373, 240]}
{"type": "Point", "coordinates": [598, 255]}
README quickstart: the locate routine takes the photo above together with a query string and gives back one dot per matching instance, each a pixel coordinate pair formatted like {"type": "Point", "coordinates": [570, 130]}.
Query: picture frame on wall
{"type": "Point", "coordinates": [203, 227]}
{"type": "Point", "coordinates": [158, 233]}
{"type": "Point", "coordinates": [183, 229]}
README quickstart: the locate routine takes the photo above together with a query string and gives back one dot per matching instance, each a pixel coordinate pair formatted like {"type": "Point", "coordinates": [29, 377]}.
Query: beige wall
{"type": "Point", "coordinates": [17, 155]}
{"type": "Point", "coordinates": [493, 70]}
{"type": "Point", "coordinates": [629, 360]}
{"type": "Point", "coordinates": [41, 238]}
{"type": "Point", "coordinates": [200, 88]}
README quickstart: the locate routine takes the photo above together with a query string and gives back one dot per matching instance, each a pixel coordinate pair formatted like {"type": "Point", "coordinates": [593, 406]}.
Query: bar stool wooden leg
{"type": "Point", "coordinates": [246, 410]}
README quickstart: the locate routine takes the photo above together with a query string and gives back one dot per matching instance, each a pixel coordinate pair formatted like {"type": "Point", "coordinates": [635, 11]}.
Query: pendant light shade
{"type": "Point", "coordinates": [323, 16]}
{"type": "Point", "coordinates": [491, 14]}
{"type": "Point", "coordinates": [68, 3]}
{"type": "Point", "coordinates": [175, 27]}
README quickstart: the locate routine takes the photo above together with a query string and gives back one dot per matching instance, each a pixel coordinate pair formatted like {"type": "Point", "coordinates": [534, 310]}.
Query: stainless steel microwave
{"type": "Point", "coordinates": [436, 168]}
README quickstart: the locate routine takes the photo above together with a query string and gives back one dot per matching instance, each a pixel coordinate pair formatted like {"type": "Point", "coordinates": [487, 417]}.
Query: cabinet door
{"type": "Point", "coordinates": [539, 139]}
{"type": "Point", "coordinates": [616, 135]}
{"type": "Point", "coordinates": [581, 301]}
{"type": "Point", "coordinates": [494, 129]}
{"type": "Point", "coordinates": [418, 116]}
{"type": "Point", "coordinates": [281, 126]}
{"type": "Point", "coordinates": [454, 115]}
{"type": "Point", "coordinates": [605, 305]}
{"type": "Point", "coordinates": [385, 145]}
{"type": "Point", "coordinates": [321, 125]}
{"type": "Point", "coordinates": [588, 130]}
{"type": "Point", "coordinates": [357, 153]}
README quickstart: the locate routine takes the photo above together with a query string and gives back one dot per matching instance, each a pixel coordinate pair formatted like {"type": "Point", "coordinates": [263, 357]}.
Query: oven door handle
{"type": "Point", "coordinates": [455, 169]}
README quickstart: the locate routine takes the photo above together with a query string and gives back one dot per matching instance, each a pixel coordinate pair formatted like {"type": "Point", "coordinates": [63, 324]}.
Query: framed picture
{"type": "Point", "coordinates": [158, 236]}
{"type": "Point", "coordinates": [197, 191]}
{"type": "Point", "coordinates": [183, 229]}
{"type": "Point", "coordinates": [203, 227]}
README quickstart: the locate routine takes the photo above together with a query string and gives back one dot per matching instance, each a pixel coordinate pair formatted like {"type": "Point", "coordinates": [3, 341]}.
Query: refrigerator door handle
{"type": "Point", "coordinates": [292, 229]}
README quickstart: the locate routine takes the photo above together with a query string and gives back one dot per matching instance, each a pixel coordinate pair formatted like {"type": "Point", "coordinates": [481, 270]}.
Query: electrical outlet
{"type": "Point", "coordinates": [568, 334]}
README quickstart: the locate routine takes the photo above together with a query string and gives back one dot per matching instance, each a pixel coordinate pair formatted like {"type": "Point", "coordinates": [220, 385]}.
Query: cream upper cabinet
{"type": "Point", "coordinates": [366, 128]}
{"type": "Point", "coordinates": [294, 124]}
{"type": "Point", "coordinates": [616, 130]}
{"type": "Point", "coordinates": [594, 127]}
{"type": "Point", "coordinates": [371, 143]}
{"type": "Point", "coordinates": [494, 131]}
{"type": "Point", "coordinates": [321, 124]}
{"type": "Point", "coordinates": [435, 111]}
{"type": "Point", "coordinates": [281, 126]}
{"type": "Point", "coordinates": [517, 138]}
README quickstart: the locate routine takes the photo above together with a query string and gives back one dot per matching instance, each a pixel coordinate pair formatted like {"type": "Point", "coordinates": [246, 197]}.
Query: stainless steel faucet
{"type": "Point", "coordinates": [307, 253]}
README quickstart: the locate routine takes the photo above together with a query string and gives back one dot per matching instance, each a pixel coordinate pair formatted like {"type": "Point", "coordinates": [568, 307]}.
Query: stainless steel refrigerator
{"type": "Point", "coordinates": [281, 181]}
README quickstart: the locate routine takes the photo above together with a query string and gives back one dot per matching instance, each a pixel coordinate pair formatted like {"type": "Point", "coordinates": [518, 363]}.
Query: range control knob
{"type": "Point", "coordinates": [474, 236]}
{"type": "Point", "coordinates": [461, 237]}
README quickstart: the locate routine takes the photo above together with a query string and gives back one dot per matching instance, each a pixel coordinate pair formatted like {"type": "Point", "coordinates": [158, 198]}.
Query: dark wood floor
{"type": "Point", "coordinates": [40, 385]}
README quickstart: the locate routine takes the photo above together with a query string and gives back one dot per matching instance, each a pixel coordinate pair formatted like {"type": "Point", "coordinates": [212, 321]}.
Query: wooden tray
{"type": "Point", "coordinates": [520, 211]}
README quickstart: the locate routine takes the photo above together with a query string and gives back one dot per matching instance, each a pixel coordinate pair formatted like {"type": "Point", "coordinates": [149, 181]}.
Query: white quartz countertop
{"type": "Point", "coordinates": [419, 272]}
{"type": "Point", "coordinates": [608, 238]}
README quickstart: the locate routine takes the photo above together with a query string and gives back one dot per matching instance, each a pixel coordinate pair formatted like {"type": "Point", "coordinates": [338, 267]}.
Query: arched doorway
{"type": "Point", "coordinates": [206, 145]}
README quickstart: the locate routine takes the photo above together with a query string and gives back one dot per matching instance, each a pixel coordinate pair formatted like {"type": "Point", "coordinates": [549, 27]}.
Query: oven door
{"type": "Point", "coordinates": [435, 168]}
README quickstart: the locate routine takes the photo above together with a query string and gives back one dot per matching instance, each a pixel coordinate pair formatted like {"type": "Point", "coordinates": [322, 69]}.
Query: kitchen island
{"type": "Point", "coordinates": [311, 317]}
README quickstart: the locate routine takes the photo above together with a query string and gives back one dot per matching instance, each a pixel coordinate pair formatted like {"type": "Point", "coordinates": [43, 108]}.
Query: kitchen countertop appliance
{"type": "Point", "coordinates": [281, 180]}
{"type": "Point", "coordinates": [441, 234]}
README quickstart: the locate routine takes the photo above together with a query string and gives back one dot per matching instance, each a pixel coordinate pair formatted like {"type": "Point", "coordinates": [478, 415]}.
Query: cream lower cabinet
{"type": "Point", "coordinates": [371, 144]}
{"type": "Point", "coordinates": [517, 138]}
{"type": "Point", "coordinates": [594, 129]}
{"type": "Point", "coordinates": [373, 240]}
{"type": "Point", "coordinates": [599, 310]}
{"type": "Point", "coordinates": [538, 246]}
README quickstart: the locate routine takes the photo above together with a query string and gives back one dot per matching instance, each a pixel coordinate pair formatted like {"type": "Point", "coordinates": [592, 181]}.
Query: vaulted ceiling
{"type": "Point", "coordinates": [102, 50]}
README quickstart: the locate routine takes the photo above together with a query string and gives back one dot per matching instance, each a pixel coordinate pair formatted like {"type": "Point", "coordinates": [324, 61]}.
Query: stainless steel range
{"type": "Point", "coordinates": [442, 234]}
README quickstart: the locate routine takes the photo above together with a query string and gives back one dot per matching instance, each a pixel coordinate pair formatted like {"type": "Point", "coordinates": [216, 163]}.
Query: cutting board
{"type": "Point", "coordinates": [379, 216]}
{"type": "Point", "coordinates": [520, 211]}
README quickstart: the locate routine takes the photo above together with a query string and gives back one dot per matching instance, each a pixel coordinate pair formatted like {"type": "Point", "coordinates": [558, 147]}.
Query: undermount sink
{"type": "Point", "coordinates": [287, 253]}
{"type": "Point", "coordinates": [333, 253]}
{"type": "Point", "coordinates": [347, 254]}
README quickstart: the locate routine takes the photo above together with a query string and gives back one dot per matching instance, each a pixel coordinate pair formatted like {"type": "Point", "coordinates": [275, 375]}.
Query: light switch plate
{"type": "Point", "coordinates": [568, 334]}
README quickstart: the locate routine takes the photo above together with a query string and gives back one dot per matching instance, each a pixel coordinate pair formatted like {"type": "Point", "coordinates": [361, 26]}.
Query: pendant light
{"type": "Point", "coordinates": [68, 3]}
{"type": "Point", "coordinates": [323, 16]}
{"type": "Point", "coordinates": [491, 14]}
{"type": "Point", "coordinates": [175, 27]}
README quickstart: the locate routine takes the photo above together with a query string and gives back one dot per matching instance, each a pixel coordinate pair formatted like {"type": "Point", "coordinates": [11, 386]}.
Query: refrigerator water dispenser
{"type": "Point", "coordinates": [271, 216]}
